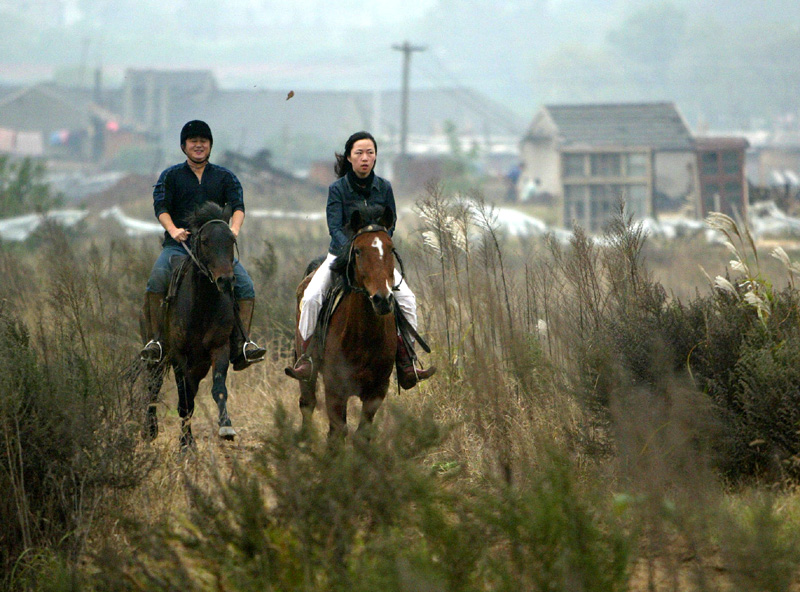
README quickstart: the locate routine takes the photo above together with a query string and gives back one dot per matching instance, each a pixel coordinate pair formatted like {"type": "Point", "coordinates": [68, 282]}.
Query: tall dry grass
{"type": "Point", "coordinates": [578, 436]}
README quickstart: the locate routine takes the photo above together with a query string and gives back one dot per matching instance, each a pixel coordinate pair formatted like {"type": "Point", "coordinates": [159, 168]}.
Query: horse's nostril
{"type": "Point", "coordinates": [382, 304]}
{"type": "Point", "coordinates": [225, 283]}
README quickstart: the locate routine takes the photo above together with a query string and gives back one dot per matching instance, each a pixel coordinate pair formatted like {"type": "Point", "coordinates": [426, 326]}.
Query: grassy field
{"type": "Point", "coordinates": [602, 419]}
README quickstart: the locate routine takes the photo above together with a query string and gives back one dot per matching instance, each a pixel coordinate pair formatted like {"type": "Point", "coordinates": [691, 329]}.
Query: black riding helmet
{"type": "Point", "coordinates": [196, 129]}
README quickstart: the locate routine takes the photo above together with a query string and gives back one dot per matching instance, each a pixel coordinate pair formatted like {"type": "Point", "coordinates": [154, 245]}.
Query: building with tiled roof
{"type": "Point", "coordinates": [588, 157]}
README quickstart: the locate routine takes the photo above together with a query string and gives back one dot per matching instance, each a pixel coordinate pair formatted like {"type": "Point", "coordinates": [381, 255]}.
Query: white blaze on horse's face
{"type": "Point", "coordinates": [375, 270]}
{"type": "Point", "coordinates": [378, 244]}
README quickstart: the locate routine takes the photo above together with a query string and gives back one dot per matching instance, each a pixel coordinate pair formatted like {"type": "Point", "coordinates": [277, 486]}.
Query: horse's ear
{"type": "Point", "coordinates": [227, 212]}
{"type": "Point", "coordinates": [356, 221]}
{"type": "Point", "coordinates": [387, 218]}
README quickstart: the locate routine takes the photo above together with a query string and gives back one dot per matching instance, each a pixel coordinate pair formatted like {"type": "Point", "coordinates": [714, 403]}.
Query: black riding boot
{"type": "Point", "coordinates": [243, 351]}
{"type": "Point", "coordinates": [407, 374]}
{"type": "Point", "coordinates": [153, 351]}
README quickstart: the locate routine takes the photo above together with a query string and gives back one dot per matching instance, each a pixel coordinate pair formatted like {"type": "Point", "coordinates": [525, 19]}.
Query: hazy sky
{"type": "Point", "coordinates": [721, 59]}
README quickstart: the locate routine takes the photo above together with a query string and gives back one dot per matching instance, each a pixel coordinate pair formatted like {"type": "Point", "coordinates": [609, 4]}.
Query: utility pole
{"type": "Point", "coordinates": [407, 50]}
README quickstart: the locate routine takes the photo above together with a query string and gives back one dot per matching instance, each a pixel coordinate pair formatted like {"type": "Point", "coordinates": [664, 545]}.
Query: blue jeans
{"type": "Point", "coordinates": [158, 282]}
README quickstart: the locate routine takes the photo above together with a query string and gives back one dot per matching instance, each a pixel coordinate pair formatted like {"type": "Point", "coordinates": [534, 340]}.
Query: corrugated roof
{"type": "Point", "coordinates": [658, 125]}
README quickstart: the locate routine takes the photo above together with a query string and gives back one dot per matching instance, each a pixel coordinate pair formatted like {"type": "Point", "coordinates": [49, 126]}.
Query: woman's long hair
{"type": "Point", "coordinates": [343, 166]}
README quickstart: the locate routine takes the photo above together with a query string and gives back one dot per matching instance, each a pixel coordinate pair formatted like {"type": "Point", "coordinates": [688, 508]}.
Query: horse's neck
{"type": "Point", "coordinates": [361, 320]}
{"type": "Point", "coordinates": [202, 294]}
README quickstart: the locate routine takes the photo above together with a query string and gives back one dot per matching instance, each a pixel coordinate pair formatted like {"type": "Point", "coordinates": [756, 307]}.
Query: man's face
{"type": "Point", "coordinates": [197, 149]}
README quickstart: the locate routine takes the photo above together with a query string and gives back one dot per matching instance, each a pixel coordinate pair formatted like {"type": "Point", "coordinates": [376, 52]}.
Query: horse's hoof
{"type": "Point", "coordinates": [304, 436]}
{"type": "Point", "coordinates": [187, 442]}
{"type": "Point", "coordinates": [227, 433]}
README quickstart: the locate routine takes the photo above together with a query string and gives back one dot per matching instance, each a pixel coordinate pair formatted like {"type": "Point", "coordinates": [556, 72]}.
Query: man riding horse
{"type": "Point", "coordinates": [358, 185]}
{"type": "Point", "coordinates": [180, 189]}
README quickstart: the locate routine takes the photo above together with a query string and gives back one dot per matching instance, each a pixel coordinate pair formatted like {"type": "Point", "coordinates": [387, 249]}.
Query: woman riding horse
{"type": "Point", "coordinates": [357, 185]}
{"type": "Point", "coordinates": [359, 344]}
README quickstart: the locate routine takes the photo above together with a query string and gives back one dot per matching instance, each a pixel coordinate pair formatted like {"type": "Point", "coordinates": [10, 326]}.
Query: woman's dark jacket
{"type": "Point", "coordinates": [343, 201]}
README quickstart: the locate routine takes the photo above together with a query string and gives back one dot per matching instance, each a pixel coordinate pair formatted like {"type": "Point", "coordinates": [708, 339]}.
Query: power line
{"type": "Point", "coordinates": [474, 102]}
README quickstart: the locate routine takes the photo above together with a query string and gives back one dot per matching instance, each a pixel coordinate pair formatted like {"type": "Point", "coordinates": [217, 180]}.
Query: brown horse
{"type": "Point", "coordinates": [358, 350]}
{"type": "Point", "coordinates": [199, 321]}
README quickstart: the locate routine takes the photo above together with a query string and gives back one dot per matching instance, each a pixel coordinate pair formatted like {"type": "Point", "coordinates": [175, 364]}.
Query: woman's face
{"type": "Point", "coordinates": [362, 157]}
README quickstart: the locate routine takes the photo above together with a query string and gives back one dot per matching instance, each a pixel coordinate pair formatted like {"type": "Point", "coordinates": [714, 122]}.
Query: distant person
{"type": "Point", "coordinates": [357, 184]}
{"type": "Point", "coordinates": [177, 193]}
{"type": "Point", "coordinates": [512, 178]}
{"type": "Point", "coordinates": [531, 190]}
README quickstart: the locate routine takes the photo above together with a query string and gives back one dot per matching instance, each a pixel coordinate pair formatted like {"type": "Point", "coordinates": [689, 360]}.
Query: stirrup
{"type": "Point", "coordinates": [305, 356]}
{"type": "Point", "coordinates": [255, 345]}
{"type": "Point", "coordinates": [291, 371]}
{"type": "Point", "coordinates": [151, 359]}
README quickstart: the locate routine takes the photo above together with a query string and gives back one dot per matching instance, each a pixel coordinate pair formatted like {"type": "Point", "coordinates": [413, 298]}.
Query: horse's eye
{"type": "Point", "coordinates": [357, 252]}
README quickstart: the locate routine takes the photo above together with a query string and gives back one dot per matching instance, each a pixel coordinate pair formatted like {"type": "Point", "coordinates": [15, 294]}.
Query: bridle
{"type": "Point", "coordinates": [350, 265]}
{"type": "Point", "coordinates": [196, 237]}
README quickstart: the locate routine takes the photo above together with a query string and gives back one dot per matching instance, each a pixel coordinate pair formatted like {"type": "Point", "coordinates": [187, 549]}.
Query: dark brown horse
{"type": "Point", "coordinates": [358, 351]}
{"type": "Point", "coordinates": [199, 321]}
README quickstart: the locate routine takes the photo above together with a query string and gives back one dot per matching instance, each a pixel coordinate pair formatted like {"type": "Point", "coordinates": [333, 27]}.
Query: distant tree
{"type": "Point", "coordinates": [22, 187]}
{"type": "Point", "coordinates": [651, 36]}
{"type": "Point", "coordinates": [460, 166]}
{"type": "Point", "coordinates": [580, 73]}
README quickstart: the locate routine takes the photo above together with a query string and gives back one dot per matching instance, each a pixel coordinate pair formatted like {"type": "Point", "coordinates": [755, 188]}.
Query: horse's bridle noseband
{"type": "Point", "coordinates": [200, 265]}
{"type": "Point", "coordinates": [366, 229]}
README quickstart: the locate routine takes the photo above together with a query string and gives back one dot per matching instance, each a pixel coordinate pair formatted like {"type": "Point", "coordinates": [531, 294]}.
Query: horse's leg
{"type": "Point", "coordinates": [308, 402]}
{"type": "Point", "coordinates": [154, 378]}
{"type": "Point", "coordinates": [185, 405]}
{"type": "Point", "coordinates": [219, 391]}
{"type": "Point", "coordinates": [336, 405]}
{"type": "Point", "coordinates": [369, 408]}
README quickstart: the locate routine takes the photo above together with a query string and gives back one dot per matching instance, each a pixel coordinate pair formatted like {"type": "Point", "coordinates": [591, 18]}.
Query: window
{"type": "Point", "coordinates": [574, 166]}
{"type": "Point", "coordinates": [601, 192]}
{"type": "Point", "coordinates": [606, 165]}
{"type": "Point", "coordinates": [637, 165]}
{"type": "Point", "coordinates": [709, 163]}
{"type": "Point", "coordinates": [604, 199]}
{"type": "Point", "coordinates": [636, 201]}
{"type": "Point", "coordinates": [733, 193]}
{"type": "Point", "coordinates": [574, 199]}
{"type": "Point", "coordinates": [730, 163]}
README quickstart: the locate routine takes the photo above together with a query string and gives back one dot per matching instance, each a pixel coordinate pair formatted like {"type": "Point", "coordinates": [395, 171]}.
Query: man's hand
{"type": "Point", "coordinates": [179, 234]}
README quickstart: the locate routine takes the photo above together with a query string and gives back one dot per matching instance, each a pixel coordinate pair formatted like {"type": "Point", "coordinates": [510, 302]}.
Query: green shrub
{"type": "Point", "coordinates": [378, 516]}
{"type": "Point", "coordinates": [760, 549]}
{"type": "Point", "coordinates": [69, 430]}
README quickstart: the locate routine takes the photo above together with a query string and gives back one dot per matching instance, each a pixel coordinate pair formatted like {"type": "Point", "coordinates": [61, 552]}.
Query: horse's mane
{"type": "Point", "coordinates": [206, 212]}
{"type": "Point", "coordinates": [370, 214]}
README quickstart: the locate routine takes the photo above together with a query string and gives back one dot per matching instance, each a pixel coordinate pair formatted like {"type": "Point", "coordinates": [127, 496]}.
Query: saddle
{"type": "Point", "coordinates": [180, 265]}
{"type": "Point", "coordinates": [330, 302]}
